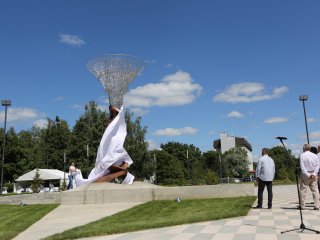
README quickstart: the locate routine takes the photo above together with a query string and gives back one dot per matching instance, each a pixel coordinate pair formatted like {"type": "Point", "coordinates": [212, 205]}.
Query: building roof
{"type": "Point", "coordinates": [45, 174]}
{"type": "Point", "coordinates": [239, 142]}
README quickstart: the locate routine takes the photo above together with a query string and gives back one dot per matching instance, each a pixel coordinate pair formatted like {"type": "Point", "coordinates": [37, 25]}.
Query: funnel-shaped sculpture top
{"type": "Point", "coordinates": [115, 72]}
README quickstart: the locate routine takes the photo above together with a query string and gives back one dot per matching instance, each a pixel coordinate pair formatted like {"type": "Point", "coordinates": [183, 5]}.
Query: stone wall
{"type": "Point", "coordinates": [100, 193]}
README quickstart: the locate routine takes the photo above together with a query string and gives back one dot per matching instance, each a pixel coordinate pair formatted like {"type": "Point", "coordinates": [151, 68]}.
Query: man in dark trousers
{"type": "Point", "coordinates": [265, 174]}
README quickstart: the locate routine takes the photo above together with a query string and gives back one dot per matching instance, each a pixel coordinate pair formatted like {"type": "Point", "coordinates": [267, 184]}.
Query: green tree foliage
{"type": "Point", "coordinates": [285, 163]}
{"type": "Point", "coordinates": [12, 155]}
{"type": "Point", "coordinates": [236, 162]}
{"type": "Point", "coordinates": [169, 170]}
{"type": "Point", "coordinates": [86, 135]}
{"type": "Point", "coordinates": [137, 147]}
{"type": "Point", "coordinates": [57, 137]}
{"type": "Point", "coordinates": [190, 158]}
{"type": "Point", "coordinates": [213, 161]}
{"type": "Point", "coordinates": [36, 182]}
{"type": "Point", "coordinates": [211, 178]}
{"type": "Point", "coordinates": [22, 152]}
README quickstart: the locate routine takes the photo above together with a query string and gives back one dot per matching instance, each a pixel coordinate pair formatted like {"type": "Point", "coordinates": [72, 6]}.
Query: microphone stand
{"type": "Point", "coordinates": [302, 226]}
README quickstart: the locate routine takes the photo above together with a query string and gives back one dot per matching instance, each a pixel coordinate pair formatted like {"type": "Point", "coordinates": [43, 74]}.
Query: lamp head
{"type": "Point", "coordinates": [303, 97]}
{"type": "Point", "coordinates": [6, 102]}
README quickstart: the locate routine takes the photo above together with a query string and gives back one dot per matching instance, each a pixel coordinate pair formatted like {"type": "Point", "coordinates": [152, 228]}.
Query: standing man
{"type": "Point", "coordinates": [318, 154]}
{"type": "Point", "coordinates": [265, 174]}
{"type": "Point", "coordinates": [72, 169]}
{"type": "Point", "coordinates": [309, 165]}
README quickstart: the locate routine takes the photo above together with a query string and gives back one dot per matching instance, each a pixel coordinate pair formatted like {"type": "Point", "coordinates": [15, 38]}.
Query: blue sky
{"type": "Point", "coordinates": [211, 66]}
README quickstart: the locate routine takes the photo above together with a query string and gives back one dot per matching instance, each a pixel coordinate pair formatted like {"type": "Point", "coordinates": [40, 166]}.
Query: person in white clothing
{"type": "Point", "coordinates": [318, 154]}
{"type": "Point", "coordinates": [309, 166]}
{"type": "Point", "coordinates": [72, 168]}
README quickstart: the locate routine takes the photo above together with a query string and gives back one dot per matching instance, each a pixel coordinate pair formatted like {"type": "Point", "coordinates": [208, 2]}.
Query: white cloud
{"type": "Point", "coordinates": [315, 143]}
{"type": "Point", "coordinates": [71, 40]}
{"type": "Point", "coordinates": [150, 61]}
{"type": "Point", "coordinates": [41, 123]}
{"type": "Point", "coordinates": [103, 107]}
{"type": "Point", "coordinates": [248, 92]}
{"type": "Point", "coordinates": [20, 114]}
{"type": "Point", "coordinates": [211, 132]}
{"type": "Point", "coordinates": [79, 107]}
{"type": "Point", "coordinates": [153, 145]}
{"type": "Point", "coordinates": [58, 99]}
{"type": "Point", "coordinates": [276, 120]}
{"type": "Point", "coordinates": [173, 90]}
{"type": "Point", "coordinates": [176, 131]}
{"type": "Point", "coordinates": [235, 114]}
{"type": "Point", "coordinates": [169, 65]}
{"type": "Point", "coordinates": [311, 120]}
{"type": "Point", "coordinates": [138, 111]}
{"type": "Point", "coordinates": [315, 134]}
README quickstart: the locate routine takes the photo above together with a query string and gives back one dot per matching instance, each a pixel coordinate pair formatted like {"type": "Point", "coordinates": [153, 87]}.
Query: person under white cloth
{"type": "Point", "coordinates": [110, 151]}
{"type": "Point", "coordinates": [309, 165]}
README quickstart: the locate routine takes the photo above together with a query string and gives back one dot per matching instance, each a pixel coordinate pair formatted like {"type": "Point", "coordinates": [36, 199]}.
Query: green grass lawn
{"type": "Point", "coordinates": [158, 214]}
{"type": "Point", "coordinates": [15, 219]}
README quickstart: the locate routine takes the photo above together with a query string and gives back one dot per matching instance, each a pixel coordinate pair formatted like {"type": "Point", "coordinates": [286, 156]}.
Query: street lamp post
{"type": "Point", "coordinates": [188, 165]}
{"type": "Point", "coordinates": [58, 124]}
{"type": "Point", "coordinates": [304, 98]}
{"type": "Point", "coordinates": [155, 169]}
{"type": "Point", "coordinates": [64, 169]}
{"type": "Point", "coordinates": [220, 169]}
{"type": "Point", "coordinates": [6, 104]}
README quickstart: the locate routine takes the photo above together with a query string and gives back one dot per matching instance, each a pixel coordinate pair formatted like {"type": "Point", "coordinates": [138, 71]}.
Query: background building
{"type": "Point", "coordinates": [227, 142]}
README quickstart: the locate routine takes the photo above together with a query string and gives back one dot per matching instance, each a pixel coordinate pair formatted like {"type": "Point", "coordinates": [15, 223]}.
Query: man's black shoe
{"type": "Point", "coordinates": [257, 207]}
{"type": "Point", "coordinates": [269, 207]}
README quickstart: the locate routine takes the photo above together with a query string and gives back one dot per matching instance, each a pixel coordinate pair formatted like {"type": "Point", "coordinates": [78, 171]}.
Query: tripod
{"type": "Point", "coordinates": [302, 226]}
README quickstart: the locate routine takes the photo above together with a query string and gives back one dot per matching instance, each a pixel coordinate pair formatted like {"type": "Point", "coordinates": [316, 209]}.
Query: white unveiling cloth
{"type": "Point", "coordinates": [110, 152]}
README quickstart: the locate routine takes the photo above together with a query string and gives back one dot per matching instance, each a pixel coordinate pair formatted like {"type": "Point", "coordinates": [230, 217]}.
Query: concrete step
{"type": "Point", "coordinates": [100, 193]}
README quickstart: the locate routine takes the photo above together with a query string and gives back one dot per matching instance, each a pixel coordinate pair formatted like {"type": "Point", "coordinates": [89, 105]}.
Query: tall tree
{"type": "Point", "coordinates": [86, 135]}
{"type": "Point", "coordinates": [213, 161]}
{"type": "Point", "coordinates": [285, 163]}
{"type": "Point", "coordinates": [169, 170]}
{"type": "Point", "coordinates": [56, 138]}
{"type": "Point", "coordinates": [191, 158]}
{"type": "Point", "coordinates": [236, 163]}
{"type": "Point", "coordinates": [11, 155]}
{"type": "Point", "coordinates": [137, 147]}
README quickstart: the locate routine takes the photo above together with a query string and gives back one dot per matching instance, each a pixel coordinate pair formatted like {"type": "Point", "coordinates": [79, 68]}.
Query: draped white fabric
{"type": "Point", "coordinates": [110, 151]}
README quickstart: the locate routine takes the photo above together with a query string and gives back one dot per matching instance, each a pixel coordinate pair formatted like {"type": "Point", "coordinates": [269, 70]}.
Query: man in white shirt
{"type": "Point", "coordinates": [318, 151]}
{"type": "Point", "coordinates": [309, 165]}
{"type": "Point", "coordinates": [265, 174]}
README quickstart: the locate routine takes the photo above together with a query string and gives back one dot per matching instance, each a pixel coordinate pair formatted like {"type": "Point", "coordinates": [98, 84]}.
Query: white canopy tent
{"type": "Point", "coordinates": [48, 176]}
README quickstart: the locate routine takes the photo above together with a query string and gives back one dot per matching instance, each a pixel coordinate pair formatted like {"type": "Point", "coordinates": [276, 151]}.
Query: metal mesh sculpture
{"type": "Point", "coordinates": [115, 72]}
